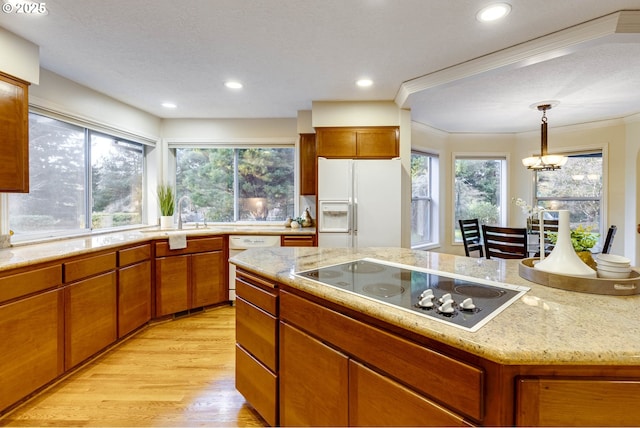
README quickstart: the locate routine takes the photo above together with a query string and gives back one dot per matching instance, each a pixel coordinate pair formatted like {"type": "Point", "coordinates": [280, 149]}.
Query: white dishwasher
{"type": "Point", "coordinates": [239, 243]}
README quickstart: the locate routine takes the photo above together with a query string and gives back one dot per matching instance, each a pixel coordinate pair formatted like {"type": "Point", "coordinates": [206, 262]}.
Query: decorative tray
{"type": "Point", "coordinates": [615, 287]}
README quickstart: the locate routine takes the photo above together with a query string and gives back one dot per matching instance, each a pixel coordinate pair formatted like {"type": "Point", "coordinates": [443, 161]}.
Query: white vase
{"type": "Point", "coordinates": [563, 259]}
{"type": "Point", "coordinates": [166, 222]}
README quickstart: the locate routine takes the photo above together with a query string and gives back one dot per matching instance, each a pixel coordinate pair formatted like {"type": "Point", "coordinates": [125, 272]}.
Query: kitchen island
{"type": "Point", "coordinates": [552, 357]}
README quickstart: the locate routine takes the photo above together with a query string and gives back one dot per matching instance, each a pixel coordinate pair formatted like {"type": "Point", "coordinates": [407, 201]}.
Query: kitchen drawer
{"type": "Point", "coordinates": [83, 268]}
{"type": "Point", "coordinates": [258, 385]}
{"type": "Point", "coordinates": [194, 245]}
{"type": "Point", "coordinates": [257, 332]}
{"type": "Point", "coordinates": [421, 368]}
{"type": "Point", "coordinates": [266, 300]}
{"type": "Point", "coordinates": [132, 255]}
{"type": "Point", "coordinates": [298, 241]}
{"type": "Point", "coordinates": [25, 283]}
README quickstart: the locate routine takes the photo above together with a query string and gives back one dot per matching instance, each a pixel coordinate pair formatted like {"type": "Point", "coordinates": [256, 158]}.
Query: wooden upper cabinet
{"type": "Point", "coordinates": [365, 142]}
{"type": "Point", "coordinates": [308, 164]}
{"type": "Point", "coordinates": [14, 135]}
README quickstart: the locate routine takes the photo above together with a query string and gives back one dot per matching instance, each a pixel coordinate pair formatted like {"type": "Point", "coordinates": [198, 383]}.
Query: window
{"type": "Point", "coordinates": [576, 187]}
{"type": "Point", "coordinates": [479, 190]}
{"type": "Point", "coordinates": [423, 171]}
{"type": "Point", "coordinates": [236, 184]}
{"type": "Point", "coordinates": [69, 166]}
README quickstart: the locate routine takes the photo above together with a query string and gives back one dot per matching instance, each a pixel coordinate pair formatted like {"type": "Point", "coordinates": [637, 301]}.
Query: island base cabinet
{"type": "Point", "coordinates": [258, 385]}
{"type": "Point", "coordinates": [31, 345]}
{"type": "Point", "coordinates": [313, 381]}
{"type": "Point", "coordinates": [90, 317]}
{"type": "Point", "coordinates": [376, 400]}
{"type": "Point", "coordinates": [578, 402]}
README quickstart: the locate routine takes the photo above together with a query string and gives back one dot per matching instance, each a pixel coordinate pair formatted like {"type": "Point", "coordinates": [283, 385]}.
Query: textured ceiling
{"type": "Point", "coordinates": [289, 53]}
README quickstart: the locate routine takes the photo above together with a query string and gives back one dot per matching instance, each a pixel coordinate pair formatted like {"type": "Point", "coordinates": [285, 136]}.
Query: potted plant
{"type": "Point", "coordinates": [167, 201]}
{"type": "Point", "coordinates": [582, 240]}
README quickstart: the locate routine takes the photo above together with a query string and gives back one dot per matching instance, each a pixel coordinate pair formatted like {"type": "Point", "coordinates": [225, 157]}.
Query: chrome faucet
{"type": "Point", "coordinates": [180, 209]}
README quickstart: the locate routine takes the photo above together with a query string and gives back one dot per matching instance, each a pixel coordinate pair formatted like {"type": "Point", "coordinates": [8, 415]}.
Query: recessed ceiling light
{"type": "Point", "coordinates": [363, 83]}
{"type": "Point", "coordinates": [493, 12]}
{"type": "Point", "coordinates": [233, 85]}
{"type": "Point", "coordinates": [169, 105]}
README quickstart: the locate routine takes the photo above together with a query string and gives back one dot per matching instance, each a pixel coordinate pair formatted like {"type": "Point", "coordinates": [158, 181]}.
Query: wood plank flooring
{"type": "Point", "coordinates": [176, 373]}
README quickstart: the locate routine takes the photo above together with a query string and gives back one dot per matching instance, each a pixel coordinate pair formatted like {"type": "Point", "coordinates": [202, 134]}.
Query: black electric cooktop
{"type": "Point", "coordinates": [472, 302]}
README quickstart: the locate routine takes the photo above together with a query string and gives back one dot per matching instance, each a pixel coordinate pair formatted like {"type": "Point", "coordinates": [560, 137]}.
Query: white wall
{"type": "Point", "coordinates": [20, 58]}
{"type": "Point", "coordinates": [364, 113]}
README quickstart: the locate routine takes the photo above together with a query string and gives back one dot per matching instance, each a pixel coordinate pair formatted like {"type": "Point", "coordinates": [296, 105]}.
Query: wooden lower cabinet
{"type": "Point", "coordinates": [298, 241]}
{"type": "Point", "coordinates": [31, 345]}
{"type": "Point", "coordinates": [578, 402]}
{"type": "Point", "coordinates": [90, 317]}
{"type": "Point", "coordinates": [190, 278]}
{"type": "Point", "coordinates": [314, 390]}
{"type": "Point", "coordinates": [134, 297]}
{"type": "Point", "coordinates": [258, 385]}
{"type": "Point", "coordinates": [377, 400]}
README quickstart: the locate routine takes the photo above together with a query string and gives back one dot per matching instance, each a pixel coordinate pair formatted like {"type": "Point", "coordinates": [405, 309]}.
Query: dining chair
{"type": "Point", "coordinates": [550, 225]}
{"type": "Point", "coordinates": [608, 242]}
{"type": "Point", "coordinates": [471, 237]}
{"type": "Point", "coordinates": [505, 242]}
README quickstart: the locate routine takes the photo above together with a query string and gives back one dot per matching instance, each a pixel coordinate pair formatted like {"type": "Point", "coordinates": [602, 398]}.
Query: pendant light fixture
{"type": "Point", "coordinates": [544, 162]}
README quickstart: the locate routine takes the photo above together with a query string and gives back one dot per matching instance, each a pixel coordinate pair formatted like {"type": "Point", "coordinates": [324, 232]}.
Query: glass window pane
{"type": "Point", "coordinates": [478, 191]}
{"type": "Point", "coordinates": [116, 182]}
{"type": "Point", "coordinates": [265, 184]}
{"type": "Point", "coordinates": [420, 199]}
{"type": "Point", "coordinates": [57, 176]}
{"type": "Point", "coordinates": [206, 175]}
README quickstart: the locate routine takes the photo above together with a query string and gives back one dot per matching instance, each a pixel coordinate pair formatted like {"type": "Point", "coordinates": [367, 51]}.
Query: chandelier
{"type": "Point", "coordinates": [544, 162]}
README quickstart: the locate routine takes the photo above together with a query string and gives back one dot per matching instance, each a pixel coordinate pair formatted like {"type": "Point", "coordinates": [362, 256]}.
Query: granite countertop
{"type": "Point", "coordinates": [22, 255]}
{"type": "Point", "coordinates": [545, 326]}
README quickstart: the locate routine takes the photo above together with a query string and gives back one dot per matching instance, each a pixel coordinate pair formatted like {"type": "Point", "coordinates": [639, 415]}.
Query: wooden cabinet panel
{"type": "Point", "coordinates": [298, 241]}
{"type": "Point", "coordinates": [14, 135]}
{"type": "Point", "coordinates": [308, 167]}
{"type": "Point", "coordinates": [578, 402]}
{"type": "Point", "coordinates": [28, 282]}
{"type": "Point", "coordinates": [257, 332]}
{"type": "Point", "coordinates": [134, 297]}
{"type": "Point", "coordinates": [265, 299]}
{"type": "Point", "coordinates": [417, 366]}
{"type": "Point", "coordinates": [208, 272]}
{"type": "Point", "coordinates": [258, 385]}
{"type": "Point", "coordinates": [90, 317]}
{"type": "Point", "coordinates": [31, 345]}
{"type": "Point", "coordinates": [172, 285]}
{"type": "Point", "coordinates": [88, 266]}
{"type": "Point", "coordinates": [313, 391]}
{"type": "Point", "coordinates": [336, 142]}
{"type": "Point", "coordinates": [378, 143]}
{"type": "Point", "coordinates": [376, 400]}
{"type": "Point", "coordinates": [194, 245]}
{"type": "Point", "coordinates": [133, 255]}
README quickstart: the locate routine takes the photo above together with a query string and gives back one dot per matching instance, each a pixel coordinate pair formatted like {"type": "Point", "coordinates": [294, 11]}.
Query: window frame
{"type": "Point", "coordinates": [433, 211]}
{"type": "Point", "coordinates": [235, 143]}
{"type": "Point", "coordinates": [504, 186]}
{"type": "Point", "coordinates": [88, 129]}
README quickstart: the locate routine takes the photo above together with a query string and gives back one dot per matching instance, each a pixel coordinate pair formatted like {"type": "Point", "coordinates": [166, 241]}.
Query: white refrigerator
{"type": "Point", "coordinates": [359, 203]}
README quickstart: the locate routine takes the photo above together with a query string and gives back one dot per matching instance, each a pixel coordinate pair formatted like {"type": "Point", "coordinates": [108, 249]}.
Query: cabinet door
{"type": "Point", "coordinates": [578, 402]}
{"type": "Point", "coordinates": [378, 143]}
{"type": "Point", "coordinates": [336, 142]}
{"type": "Point", "coordinates": [14, 135]}
{"type": "Point", "coordinates": [31, 345]}
{"type": "Point", "coordinates": [313, 381]}
{"type": "Point", "coordinates": [308, 164]}
{"type": "Point", "coordinates": [172, 285]}
{"type": "Point", "coordinates": [134, 297]}
{"type": "Point", "coordinates": [376, 400]}
{"type": "Point", "coordinates": [90, 317]}
{"type": "Point", "coordinates": [208, 279]}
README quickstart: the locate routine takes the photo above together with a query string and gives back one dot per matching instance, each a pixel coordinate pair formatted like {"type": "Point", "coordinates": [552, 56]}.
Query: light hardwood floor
{"type": "Point", "coordinates": [175, 373]}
